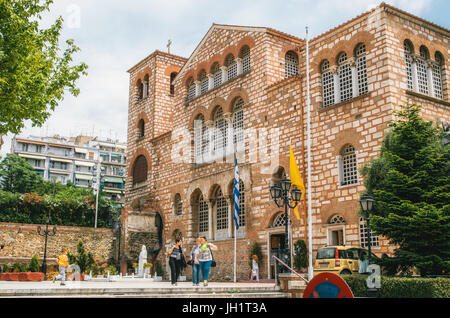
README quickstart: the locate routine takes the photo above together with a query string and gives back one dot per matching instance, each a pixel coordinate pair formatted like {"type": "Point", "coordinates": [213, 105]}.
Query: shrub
{"type": "Point", "coordinates": [34, 264]}
{"type": "Point", "coordinates": [82, 259]}
{"type": "Point", "coordinates": [112, 270]}
{"type": "Point", "coordinates": [159, 269]}
{"type": "Point", "coordinates": [19, 267]}
{"type": "Point", "coordinates": [300, 255]}
{"type": "Point", "coordinates": [401, 287]}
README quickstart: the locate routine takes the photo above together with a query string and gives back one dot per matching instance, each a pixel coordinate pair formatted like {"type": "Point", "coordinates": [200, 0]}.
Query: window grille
{"type": "Point", "coordinates": [203, 215]}
{"type": "Point", "coordinates": [280, 220]}
{"type": "Point", "coordinates": [217, 72]}
{"type": "Point", "coordinates": [238, 123]}
{"type": "Point", "coordinates": [245, 55]}
{"type": "Point", "coordinates": [199, 126]}
{"type": "Point", "coordinates": [203, 83]}
{"type": "Point", "coordinates": [231, 67]}
{"type": "Point", "coordinates": [437, 77]}
{"type": "Point", "coordinates": [361, 67]}
{"type": "Point", "coordinates": [291, 64]}
{"type": "Point", "coordinates": [222, 211]}
{"type": "Point", "coordinates": [364, 235]}
{"type": "Point", "coordinates": [191, 90]}
{"type": "Point", "coordinates": [327, 84]}
{"type": "Point", "coordinates": [349, 166]}
{"type": "Point", "coordinates": [337, 219]}
{"type": "Point", "coordinates": [241, 203]}
{"type": "Point", "coordinates": [178, 204]}
{"type": "Point", "coordinates": [422, 74]}
{"type": "Point", "coordinates": [345, 78]}
{"type": "Point", "coordinates": [220, 132]}
{"type": "Point", "coordinates": [408, 62]}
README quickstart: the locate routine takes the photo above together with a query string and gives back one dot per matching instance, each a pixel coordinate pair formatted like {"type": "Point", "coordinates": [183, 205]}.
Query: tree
{"type": "Point", "coordinates": [300, 255]}
{"type": "Point", "coordinates": [82, 259]}
{"type": "Point", "coordinates": [410, 182]}
{"type": "Point", "coordinates": [34, 73]}
{"type": "Point", "coordinates": [17, 175]}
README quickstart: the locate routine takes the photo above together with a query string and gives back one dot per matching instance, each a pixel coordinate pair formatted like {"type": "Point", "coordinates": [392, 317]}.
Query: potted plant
{"type": "Point", "coordinates": [147, 267]}
{"type": "Point", "coordinates": [135, 266]}
{"type": "Point", "coordinates": [82, 259]}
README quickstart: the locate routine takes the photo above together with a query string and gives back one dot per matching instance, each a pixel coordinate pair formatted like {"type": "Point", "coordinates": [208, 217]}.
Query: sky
{"type": "Point", "coordinates": [114, 35]}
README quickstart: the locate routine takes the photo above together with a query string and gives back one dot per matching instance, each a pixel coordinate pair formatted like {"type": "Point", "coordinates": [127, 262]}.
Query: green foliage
{"type": "Point", "coordinates": [17, 175]}
{"type": "Point", "coordinates": [34, 264]}
{"type": "Point", "coordinates": [410, 182]}
{"type": "Point", "coordinates": [255, 250]}
{"type": "Point", "coordinates": [400, 287]}
{"type": "Point", "coordinates": [19, 268]}
{"type": "Point", "coordinates": [112, 270]}
{"type": "Point", "coordinates": [82, 259]}
{"type": "Point", "coordinates": [34, 71]}
{"type": "Point", "coordinates": [300, 255]}
{"type": "Point", "coordinates": [159, 269]}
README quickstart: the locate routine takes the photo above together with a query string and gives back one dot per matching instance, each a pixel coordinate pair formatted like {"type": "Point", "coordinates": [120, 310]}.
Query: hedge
{"type": "Point", "coordinates": [402, 287]}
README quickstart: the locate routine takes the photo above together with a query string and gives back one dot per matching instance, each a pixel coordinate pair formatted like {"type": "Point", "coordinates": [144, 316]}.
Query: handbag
{"type": "Point", "coordinates": [182, 259]}
{"type": "Point", "coordinates": [213, 262]}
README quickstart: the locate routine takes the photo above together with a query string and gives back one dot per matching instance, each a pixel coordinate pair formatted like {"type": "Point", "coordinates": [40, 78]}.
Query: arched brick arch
{"type": "Point", "coordinates": [235, 93]}
{"type": "Point", "coordinates": [347, 136]}
{"type": "Point", "coordinates": [248, 40]}
{"type": "Point", "coordinates": [140, 151]}
{"type": "Point", "coordinates": [188, 75]}
{"type": "Point", "coordinates": [171, 69]}
{"type": "Point", "coordinates": [141, 115]}
{"type": "Point", "coordinates": [141, 75]}
{"type": "Point", "coordinates": [217, 58]}
{"type": "Point", "coordinates": [218, 101]}
{"type": "Point", "coordinates": [287, 48]}
{"type": "Point", "coordinates": [198, 110]}
{"type": "Point", "coordinates": [346, 46]}
{"type": "Point", "coordinates": [229, 50]}
{"type": "Point", "coordinates": [203, 66]}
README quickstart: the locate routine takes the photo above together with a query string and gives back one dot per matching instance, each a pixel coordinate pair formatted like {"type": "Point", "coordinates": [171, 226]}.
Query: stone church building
{"type": "Point", "coordinates": [242, 92]}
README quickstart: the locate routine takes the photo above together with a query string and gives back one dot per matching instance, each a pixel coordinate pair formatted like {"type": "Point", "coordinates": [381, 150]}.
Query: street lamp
{"type": "Point", "coordinates": [284, 196]}
{"type": "Point", "coordinates": [46, 233]}
{"type": "Point", "coordinates": [366, 203]}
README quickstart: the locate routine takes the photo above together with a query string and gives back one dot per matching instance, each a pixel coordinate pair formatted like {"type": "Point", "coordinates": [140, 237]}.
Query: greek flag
{"type": "Point", "coordinates": [236, 194]}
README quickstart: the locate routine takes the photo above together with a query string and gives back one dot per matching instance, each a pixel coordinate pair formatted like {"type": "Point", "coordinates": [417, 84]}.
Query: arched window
{"type": "Point", "coordinates": [336, 219]}
{"type": "Point", "coordinates": [345, 78]}
{"type": "Point", "coordinates": [437, 75]}
{"type": "Point", "coordinates": [203, 215]}
{"type": "Point", "coordinates": [177, 205]}
{"type": "Point", "coordinates": [221, 211]}
{"type": "Point", "coordinates": [140, 169]}
{"type": "Point", "coordinates": [409, 50]}
{"type": "Point", "coordinates": [422, 74]}
{"type": "Point", "coordinates": [238, 123]}
{"type": "Point", "coordinates": [203, 79]}
{"type": "Point", "coordinates": [201, 139]}
{"type": "Point", "coordinates": [172, 84]}
{"type": "Point", "coordinates": [361, 68]}
{"type": "Point", "coordinates": [230, 63]}
{"type": "Point", "coordinates": [217, 74]}
{"type": "Point", "coordinates": [190, 85]}
{"type": "Point", "coordinates": [327, 84]}
{"type": "Point", "coordinates": [145, 86]}
{"type": "Point", "coordinates": [141, 128]}
{"type": "Point", "coordinates": [348, 166]}
{"type": "Point", "coordinates": [220, 133]}
{"type": "Point", "coordinates": [140, 88]}
{"type": "Point", "coordinates": [291, 64]}
{"type": "Point", "coordinates": [280, 220]}
{"type": "Point", "coordinates": [245, 56]}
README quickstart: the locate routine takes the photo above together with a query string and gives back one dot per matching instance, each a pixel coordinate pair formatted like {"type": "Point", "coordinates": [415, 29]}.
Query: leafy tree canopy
{"type": "Point", "coordinates": [34, 71]}
{"type": "Point", "coordinates": [410, 182]}
{"type": "Point", "coordinates": [17, 175]}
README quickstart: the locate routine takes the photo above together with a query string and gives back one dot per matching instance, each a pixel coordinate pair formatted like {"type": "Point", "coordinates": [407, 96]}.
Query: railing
{"type": "Point", "coordinates": [276, 259]}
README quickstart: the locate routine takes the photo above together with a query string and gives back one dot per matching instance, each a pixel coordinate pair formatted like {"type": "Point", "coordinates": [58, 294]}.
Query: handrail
{"type": "Point", "coordinates": [280, 261]}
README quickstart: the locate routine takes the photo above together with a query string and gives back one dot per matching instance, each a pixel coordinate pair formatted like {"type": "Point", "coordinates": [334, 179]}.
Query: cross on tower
{"type": "Point", "coordinates": [169, 43]}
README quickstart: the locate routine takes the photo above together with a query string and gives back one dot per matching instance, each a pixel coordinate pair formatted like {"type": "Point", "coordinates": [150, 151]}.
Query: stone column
{"type": "Point", "coordinates": [211, 219]}
{"type": "Point", "coordinates": [197, 88]}
{"type": "Point", "coordinates": [239, 66]}
{"type": "Point", "coordinates": [210, 81]}
{"type": "Point", "coordinates": [337, 94]}
{"type": "Point", "coordinates": [415, 81]}
{"type": "Point", "coordinates": [430, 65]}
{"type": "Point", "coordinates": [355, 84]}
{"type": "Point", "coordinates": [224, 73]}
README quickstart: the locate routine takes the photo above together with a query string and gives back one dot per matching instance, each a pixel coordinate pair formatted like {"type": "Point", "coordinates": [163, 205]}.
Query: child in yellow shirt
{"type": "Point", "coordinates": [63, 263]}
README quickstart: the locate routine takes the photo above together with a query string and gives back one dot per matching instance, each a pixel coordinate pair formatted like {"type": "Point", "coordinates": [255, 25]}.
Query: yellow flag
{"type": "Point", "coordinates": [296, 179]}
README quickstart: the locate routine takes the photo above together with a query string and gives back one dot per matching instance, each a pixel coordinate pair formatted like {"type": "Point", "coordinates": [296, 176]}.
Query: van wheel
{"type": "Point", "coordinates": [346, 272]}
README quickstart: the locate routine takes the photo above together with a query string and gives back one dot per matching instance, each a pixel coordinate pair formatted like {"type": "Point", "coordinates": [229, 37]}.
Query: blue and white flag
{"type": "Point", "coordinates": [236, 194]}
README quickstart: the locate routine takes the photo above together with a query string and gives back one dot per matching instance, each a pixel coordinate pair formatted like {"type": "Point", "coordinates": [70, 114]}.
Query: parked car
{"type": "Point", "coordinates": [341, 260]}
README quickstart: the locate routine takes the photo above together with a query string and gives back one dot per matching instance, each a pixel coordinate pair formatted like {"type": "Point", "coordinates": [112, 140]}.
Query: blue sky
{"type": "Point", "coordinates": [114, 35]}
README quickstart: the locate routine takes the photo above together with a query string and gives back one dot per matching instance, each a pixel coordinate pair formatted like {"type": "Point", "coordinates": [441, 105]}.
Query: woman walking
{"type": "Point", "coordinates": [194, 262]}
{"type": "Point", "coordinates": [175, 254]}
{"type": "Point", "coordinates": [205, 258]}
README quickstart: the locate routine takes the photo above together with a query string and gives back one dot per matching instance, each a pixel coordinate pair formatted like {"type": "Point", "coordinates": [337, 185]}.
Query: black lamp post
{"type": "Point", "coordinates": [284, 196]}
{"type": "Point", "coordinates": [46, 233]}
{"type": "Point", "coordinates": [117, 228]}
{"type": "Point", "coordinates": [366, 203]}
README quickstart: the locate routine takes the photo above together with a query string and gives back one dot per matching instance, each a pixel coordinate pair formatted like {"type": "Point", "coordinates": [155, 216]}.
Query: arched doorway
{"type": "Point", "coordinates": [276, 240]}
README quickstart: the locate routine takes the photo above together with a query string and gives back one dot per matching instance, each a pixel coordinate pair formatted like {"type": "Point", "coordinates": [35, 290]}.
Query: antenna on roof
{"type": "Point", "coordinates": [169, 43]}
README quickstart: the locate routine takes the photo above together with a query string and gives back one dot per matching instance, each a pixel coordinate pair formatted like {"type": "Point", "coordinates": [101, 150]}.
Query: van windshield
{"type": "Point", "coordinates": [324, 253]}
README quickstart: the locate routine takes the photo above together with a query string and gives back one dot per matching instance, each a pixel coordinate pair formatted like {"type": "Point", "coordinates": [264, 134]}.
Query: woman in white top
{"type": "Point", "coordinates": [204, 257]}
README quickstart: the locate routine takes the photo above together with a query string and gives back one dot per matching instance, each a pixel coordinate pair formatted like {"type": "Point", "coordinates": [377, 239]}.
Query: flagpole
{"type": "Point", "coordinates": [235, 235]}
{"type": "Point", "coordinates": [308, 103]}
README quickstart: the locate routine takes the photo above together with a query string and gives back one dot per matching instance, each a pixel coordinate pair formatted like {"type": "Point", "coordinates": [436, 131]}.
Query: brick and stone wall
{"type": "Point", "coordinates": [21, 241]}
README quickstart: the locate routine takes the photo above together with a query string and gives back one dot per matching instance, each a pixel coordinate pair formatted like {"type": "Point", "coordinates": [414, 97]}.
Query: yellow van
{"type": "Point", "coordinates": [341, 260]}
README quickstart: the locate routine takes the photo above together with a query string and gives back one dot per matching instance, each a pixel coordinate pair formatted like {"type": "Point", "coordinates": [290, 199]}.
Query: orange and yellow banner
{"type": "Point", "coordinates": [296, 179]}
